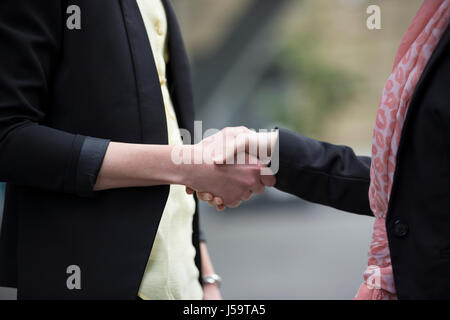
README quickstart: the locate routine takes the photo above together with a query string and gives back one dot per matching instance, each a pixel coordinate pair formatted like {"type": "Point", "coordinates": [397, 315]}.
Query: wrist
{"type": "Point", "coordinates": [212, 280]}
{"type": "Point", "coordinates": [261, 144]}
{"type": "Point", "coordinates": [181, 160]}
{"type": "Point", "coordinates": [159, 164]}
{"type": "Point", "coordinates": [273, 140]}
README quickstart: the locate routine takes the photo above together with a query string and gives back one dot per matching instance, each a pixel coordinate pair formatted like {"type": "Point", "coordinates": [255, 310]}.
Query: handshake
{"type": "Point", "coordinates": [230, 166]}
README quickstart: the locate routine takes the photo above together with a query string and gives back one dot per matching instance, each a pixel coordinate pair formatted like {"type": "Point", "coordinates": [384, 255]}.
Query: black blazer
{"type": "Point", "coordinates": [59, 88]}
{"type": "Point", "coordinates": [418, 220]}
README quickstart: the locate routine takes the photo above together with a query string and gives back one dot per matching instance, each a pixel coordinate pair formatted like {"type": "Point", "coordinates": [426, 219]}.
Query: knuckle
{"type": "Point", "coordinates": [248, 183]}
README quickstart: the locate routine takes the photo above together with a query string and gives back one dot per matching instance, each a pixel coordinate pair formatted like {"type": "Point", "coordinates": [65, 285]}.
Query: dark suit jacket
{"type": "Point", "coordinates": [418, 219]}
{"type": "Point", "coordinates": [64, 94]}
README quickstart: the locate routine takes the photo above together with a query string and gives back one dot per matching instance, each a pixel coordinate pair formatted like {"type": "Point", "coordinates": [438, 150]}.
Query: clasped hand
{"type": "Point", "coordinates": [231, 168]}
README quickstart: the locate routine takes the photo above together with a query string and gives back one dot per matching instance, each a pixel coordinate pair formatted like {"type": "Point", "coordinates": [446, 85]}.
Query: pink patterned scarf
{"type": "Point", "coordinates": [415, 50]}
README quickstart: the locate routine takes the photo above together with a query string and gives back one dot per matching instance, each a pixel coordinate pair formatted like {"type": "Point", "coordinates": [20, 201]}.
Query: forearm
{"type": "Point", "coordinates": [210, 291]}
{"type": "Point", "coordinates": [324, 173]}
{"type": "Point", "coordinates": [207, 266]}
{"type": "Point", "coordinates": [134, 165]}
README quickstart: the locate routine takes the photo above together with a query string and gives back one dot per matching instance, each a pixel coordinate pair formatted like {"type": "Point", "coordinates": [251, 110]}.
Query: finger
{"type": "Point", "coordinates": [220, 151]}
{"type": "Point", "coordinates": [189, 191]}
{"type": "Point", "coordinates": [252, 147]}
{"type": "Point", "coordinates": [226, 155]}
{"type": "Point", "coordinates": [268, 181]}
{"type": "Point", "coordinates": [233, 145]}
{"type": "Point", "coordinates": [234, 205]}
{"type": "Point", "coordinates": [253, 161]}
{"type": "Point", "coordinates": [248, 196]}
{"type": "Point", "coordinates": [221, 208]}
{"type": "Point", "coordinates": [218, 201]}
{"type": "Point", "coordinates": [205, 196]}
{"type": "Point", "coordinates": [259, 189]}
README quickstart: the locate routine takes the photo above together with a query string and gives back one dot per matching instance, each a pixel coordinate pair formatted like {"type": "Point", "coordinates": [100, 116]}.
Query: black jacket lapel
{"type": "Point", "coordinates": [179, 75]}
{"type": "Point", "coordinates": [153, 118]}
{"type": "Point", "coordinates": [441, 50]}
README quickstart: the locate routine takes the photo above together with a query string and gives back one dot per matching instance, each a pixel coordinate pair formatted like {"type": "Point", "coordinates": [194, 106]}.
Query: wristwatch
{"type": "Point", "coordinates": [212, 279]}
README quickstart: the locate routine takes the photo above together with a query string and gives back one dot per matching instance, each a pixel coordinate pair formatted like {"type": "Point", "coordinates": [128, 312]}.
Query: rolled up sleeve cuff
{"type": "Point", "coordinates": [285, 142]}
{"type": "Point", "coordinates": [90, 161]}
{"type": "Point", "coordinates": [201, 236]}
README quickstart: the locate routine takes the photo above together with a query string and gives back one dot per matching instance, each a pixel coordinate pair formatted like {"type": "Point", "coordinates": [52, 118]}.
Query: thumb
{"type": "Point", "coordinates": [232, 147]}
{"type": "Point", "coordinates": [269, 181]}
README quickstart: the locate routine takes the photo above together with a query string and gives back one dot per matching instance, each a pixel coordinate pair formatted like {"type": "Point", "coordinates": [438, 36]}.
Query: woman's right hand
{"type": "Point", "coordinates": [241, 140]}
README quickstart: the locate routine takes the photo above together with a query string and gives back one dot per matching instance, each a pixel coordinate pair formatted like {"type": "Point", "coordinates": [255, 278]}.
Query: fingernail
{"type": "Point", "coordinates": [218, 159]}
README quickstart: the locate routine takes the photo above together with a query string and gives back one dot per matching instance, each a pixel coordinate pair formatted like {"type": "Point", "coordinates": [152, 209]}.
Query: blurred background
{"type": "Point", "coordinates": [311, 66]}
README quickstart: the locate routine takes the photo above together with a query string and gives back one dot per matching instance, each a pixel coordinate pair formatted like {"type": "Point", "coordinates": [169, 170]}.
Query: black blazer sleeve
{"type": "Point", "coordinates": [32, 154]}
{"type": "Point", "coordinates": [323, 173]}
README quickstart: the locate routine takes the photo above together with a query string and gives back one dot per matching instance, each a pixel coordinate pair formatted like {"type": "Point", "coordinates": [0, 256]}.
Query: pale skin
{"type": "Point", "coordinates": [136, 165]}
{"type": "Point", "coordinates": [258, 141]}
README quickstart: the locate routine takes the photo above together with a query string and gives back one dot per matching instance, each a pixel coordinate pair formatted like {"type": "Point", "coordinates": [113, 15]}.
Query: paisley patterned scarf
{"type": "Point", "coordinates": [415, 50]}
